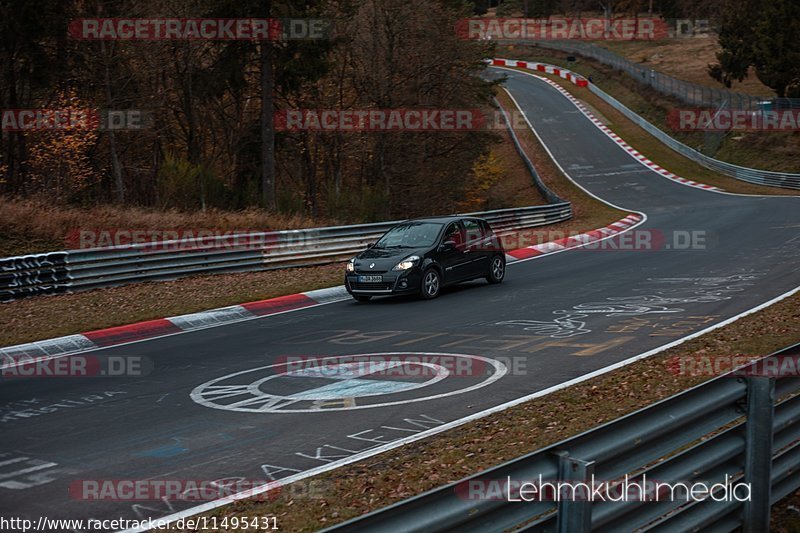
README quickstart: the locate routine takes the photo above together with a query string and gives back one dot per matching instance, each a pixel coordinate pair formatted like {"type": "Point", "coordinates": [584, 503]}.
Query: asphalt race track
{"type": "Point", "coordinates": [554, 318]}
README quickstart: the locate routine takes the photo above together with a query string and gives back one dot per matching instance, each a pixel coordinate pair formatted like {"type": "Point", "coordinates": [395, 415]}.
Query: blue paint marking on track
{"type": "Point", "coordinates": [351, 388]}
{"type": "Point", "coordinates": [169, 450]}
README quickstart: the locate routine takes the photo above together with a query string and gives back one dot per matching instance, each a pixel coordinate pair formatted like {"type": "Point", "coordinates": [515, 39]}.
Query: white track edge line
{"type": "Point", "coordinates": [456, 423]}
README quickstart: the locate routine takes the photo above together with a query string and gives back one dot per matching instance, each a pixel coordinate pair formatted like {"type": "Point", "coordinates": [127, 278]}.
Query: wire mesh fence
{"type": "Point", "coordinates": [690, 93]}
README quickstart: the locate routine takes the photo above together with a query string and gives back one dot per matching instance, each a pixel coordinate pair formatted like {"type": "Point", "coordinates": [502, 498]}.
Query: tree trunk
{"type": "Point", "coordinates": [116, 167]}
{"type": "Point", "coordinates": [267, 126]}
{"type": "Point", "coordinates": [310, 171]}
{"type": "Point", "coordinates": [16, 140]}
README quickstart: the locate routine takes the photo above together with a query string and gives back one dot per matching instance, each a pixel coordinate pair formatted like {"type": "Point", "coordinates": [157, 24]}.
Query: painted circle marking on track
{"type": "Point", "coordinates": [440, 373]}
{"type": "Point", "coordinates": [251, 398]}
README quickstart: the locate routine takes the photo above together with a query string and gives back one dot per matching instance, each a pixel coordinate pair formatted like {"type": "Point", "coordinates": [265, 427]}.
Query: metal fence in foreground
{"type": "Point", "coordinates": [740, 425]}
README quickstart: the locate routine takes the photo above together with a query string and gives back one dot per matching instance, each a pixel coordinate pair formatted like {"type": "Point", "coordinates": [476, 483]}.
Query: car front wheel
{"type": "Point", "coordinates": [497, 269]}
{"type": "Point", "coordinates": [431, 284]}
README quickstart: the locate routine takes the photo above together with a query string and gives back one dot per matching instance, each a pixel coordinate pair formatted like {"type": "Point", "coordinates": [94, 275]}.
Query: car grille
{"type": "Point", "coordinates": [370, 286]}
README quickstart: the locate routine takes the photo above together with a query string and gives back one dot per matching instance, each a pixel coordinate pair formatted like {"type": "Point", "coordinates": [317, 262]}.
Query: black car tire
{"type": "Point", "coordinates": [497, 269]}
{"type": "Point", "coordinates": [362, 297]}
{"type": "Point", "coordinates": [431, 284]}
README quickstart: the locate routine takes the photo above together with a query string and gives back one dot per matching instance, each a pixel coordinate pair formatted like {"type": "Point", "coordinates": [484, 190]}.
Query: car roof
{"type": "Point", "coordinates": [446, 219]}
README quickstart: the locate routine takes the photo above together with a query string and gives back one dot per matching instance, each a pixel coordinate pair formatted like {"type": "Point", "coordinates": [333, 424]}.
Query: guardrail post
{"type": "Point", "coordinates": [758, 452]}
{"type": "Point", "coordinates": [574, 515]}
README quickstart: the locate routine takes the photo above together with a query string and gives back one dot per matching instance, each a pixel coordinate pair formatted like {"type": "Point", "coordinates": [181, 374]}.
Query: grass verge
{"type": "Point", "coordinates": [786, 515]}
{"type": "Point", "coordinates": [403, 472]}
{"type": "Point", "coordinates": [501, 181]}
{"type": "Point", "coordinates": [35, 226]}
{"type": "Point", "coordinates": [686, 59]}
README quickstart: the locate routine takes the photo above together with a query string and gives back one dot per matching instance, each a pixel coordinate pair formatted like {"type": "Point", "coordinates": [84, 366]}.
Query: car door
{"type": "Point", "coordinates": [476, 249]}
{"type": "Point", "coordinates": [452, 253]}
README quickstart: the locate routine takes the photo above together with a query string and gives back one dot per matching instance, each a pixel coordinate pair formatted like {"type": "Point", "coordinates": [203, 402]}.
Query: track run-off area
{"type": "Point", "coordinates": [214, 407]}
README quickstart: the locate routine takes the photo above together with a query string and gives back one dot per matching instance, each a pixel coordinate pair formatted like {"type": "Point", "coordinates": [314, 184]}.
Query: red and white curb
{"type": "Point", "coordinates": [582, 82]}
{"type": "Point", "coordinates": [577, 79]}
{"type": "Point", "coordinates": [103, 338]}
{"type": "Point", "coordinates": [575, 241]}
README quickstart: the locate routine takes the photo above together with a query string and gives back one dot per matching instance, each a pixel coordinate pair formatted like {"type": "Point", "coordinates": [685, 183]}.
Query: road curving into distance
{"type": "Point", "coordinates": [213, 406]}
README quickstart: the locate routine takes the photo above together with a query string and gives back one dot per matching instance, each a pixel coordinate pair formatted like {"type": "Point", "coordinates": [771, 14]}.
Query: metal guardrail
{"type": "Point", "coordinates": [547, 192]}
{"type": "Point", "coordinates": [729, 426]}
{"type": "Point", "coordinates": [76, 270]}
{"type": "Point", "coordinates": [690, 93]}
{"type": "Point", "coordinates": [750, 175]}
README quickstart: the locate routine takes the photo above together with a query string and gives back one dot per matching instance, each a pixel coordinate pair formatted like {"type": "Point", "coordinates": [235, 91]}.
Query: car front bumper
{"type": "Point", "coordinates": [402, 282]}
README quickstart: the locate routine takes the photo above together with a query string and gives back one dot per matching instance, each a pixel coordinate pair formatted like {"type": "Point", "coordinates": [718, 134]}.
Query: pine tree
{"type": "Point", "coordinates": [761, 34]}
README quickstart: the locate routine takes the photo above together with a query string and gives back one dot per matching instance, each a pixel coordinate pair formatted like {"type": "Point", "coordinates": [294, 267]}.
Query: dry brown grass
{"type": "Point", "coordinates": [28, 226]}
{"type": "Point", "coordinates": [685, 59]}
{"type": "Point", "coordinates": [786, 515]}
{"type": "Point", "coordinates": [516, 189]}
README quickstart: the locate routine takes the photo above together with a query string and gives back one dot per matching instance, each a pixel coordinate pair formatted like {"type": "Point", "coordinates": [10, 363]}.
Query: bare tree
{"type": "Point", "coordinates": [268, 189]}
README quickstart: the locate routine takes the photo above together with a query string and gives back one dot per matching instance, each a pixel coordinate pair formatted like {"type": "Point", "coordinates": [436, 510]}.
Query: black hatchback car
{"type": "Point", "coordinates": [423, 255]}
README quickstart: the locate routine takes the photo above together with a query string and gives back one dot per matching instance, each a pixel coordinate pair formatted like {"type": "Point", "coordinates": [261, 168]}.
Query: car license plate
{"type": "Point", "coordinates": [370, 279]}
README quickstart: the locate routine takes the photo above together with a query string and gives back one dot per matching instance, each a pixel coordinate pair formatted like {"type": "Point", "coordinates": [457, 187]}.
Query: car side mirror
{"type": "Point", "coordinates": [448, 246]}
{"type": "Point", "coordinates": [370, 245]}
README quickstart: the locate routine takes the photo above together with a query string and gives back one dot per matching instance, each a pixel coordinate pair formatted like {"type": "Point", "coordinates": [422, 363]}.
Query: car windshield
{"type": "Point", "coordinates": [411, 235]}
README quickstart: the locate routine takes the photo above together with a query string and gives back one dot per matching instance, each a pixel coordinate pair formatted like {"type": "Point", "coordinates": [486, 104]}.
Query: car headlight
{"type": "Point", "coordinates": [407, 263]}
{"type": "Point", "coordinates": [351, 266]}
